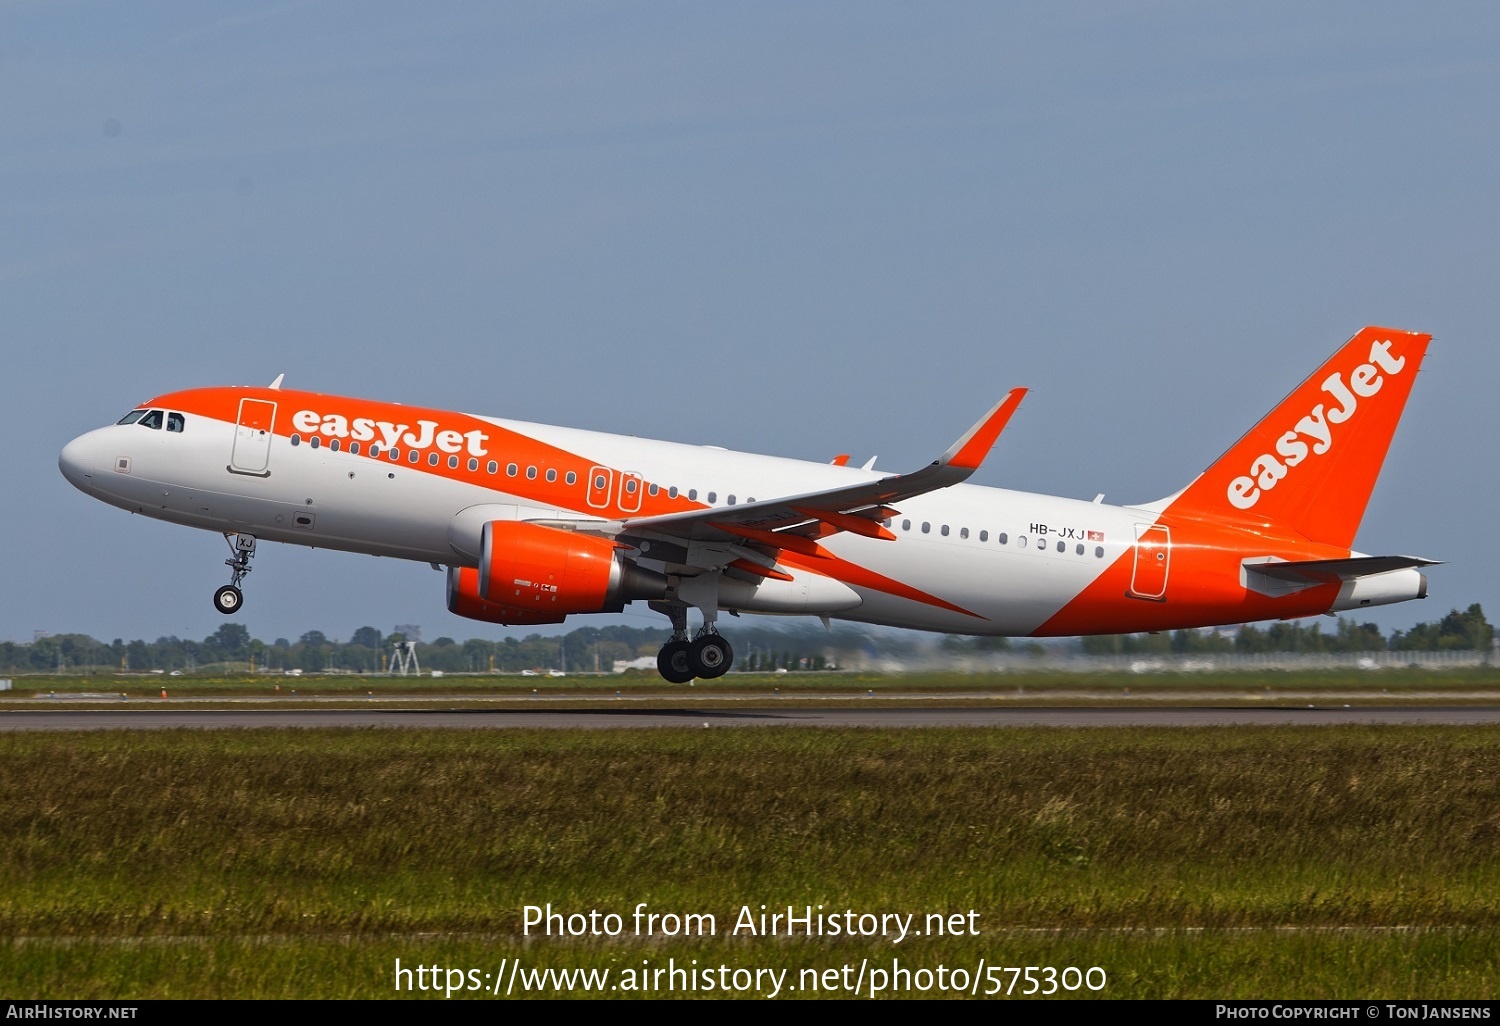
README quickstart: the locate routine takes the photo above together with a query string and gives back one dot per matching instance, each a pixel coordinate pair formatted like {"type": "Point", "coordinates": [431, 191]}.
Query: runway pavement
{"type": "Point", "coordinates": [756, 716]}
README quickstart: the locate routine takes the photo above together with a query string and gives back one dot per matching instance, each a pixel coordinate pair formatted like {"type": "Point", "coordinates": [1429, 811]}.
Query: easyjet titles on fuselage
{"type": "Point", "coordinates": [366, 429]}
{"type": "Point", "coordinates": [1266, 470]}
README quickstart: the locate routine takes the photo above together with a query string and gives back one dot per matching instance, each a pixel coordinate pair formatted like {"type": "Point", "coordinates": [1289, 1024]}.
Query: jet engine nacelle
{"type": "Point", "coordinates": [465, 600]}
{"type": "Point", "coordinates": [546, 571]}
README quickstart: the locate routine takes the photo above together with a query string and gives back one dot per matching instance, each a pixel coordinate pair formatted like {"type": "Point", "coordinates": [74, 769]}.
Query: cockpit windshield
{"type": "Point", "coordinates": [154, 419]}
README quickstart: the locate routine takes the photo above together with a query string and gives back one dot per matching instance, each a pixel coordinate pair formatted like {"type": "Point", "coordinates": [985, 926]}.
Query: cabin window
{"type": "Point", "coordinates": [984, 536]}
{"type": "Point", "coordinates": [395, 455]}
{"type": "Point", "coordinates": [1062, 546]}
{"type": "Point", "coordinates": [693, 494]}
{"type": "Point", "coordinates": [452, 462]}
{"type": "Point", "coordinates": [473, 464]}
{"type": "Point", "coordinates": [652, 489]}
{"type": "Point", "coordinates": [432, 459]}
{"type": "Point", "coordinates": [926, 527]}
{"type": "Point", "coordinates": [374, 450]}
{"type": "Point", "coordinates": [906, 525]}
{"type": "Point", "coordinates": [413, 456]}
{"type": "Point", "coordinates": [672, 492]}
{"type": "Point", "coordinates": [572, 478]}
{"type": "Point", "coordinates": [296, 439]}
{"type": "Point", "coordinates": [1002, 538]}
{"type": "Point", "coordinates": [1020, 541]}
{"type": "Point", "coordinates": [944, 531]}
{"type": "Point", "coordinates": [491, 467]}
{"type": "Point", "coordinates": [531, 473]}
{"type": "Point", "coordinates": [731, 500]}
{"type": "Point", "coordinates": [510, 470]}
{"type": "Point", "coordinates": [314, 441]}
{"type": "Point", "coordinates": [713, 497]}
{"type": "Point", "coordinates": [353, 448]}
{"type": "Point", "coordinates": [551, 476]}
{"type": "Point", "coordinates": [1099, 552]}
{"type": "Point", "coordinates": [334, 445]}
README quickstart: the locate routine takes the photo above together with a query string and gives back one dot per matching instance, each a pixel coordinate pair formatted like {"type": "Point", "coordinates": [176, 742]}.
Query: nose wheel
{"type": "Point", "coordinates": [230, 598]}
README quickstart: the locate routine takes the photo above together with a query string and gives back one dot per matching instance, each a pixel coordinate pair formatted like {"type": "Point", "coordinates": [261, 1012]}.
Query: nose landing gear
{"type": "Point", "coordinates": [229, 598]}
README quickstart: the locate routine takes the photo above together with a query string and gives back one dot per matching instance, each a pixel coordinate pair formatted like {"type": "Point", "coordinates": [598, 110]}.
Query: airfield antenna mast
{"type": "Point", "coordinates": [404, 659]}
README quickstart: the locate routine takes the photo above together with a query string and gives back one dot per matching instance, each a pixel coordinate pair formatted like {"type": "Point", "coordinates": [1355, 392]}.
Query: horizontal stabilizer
{"type": "Point", "coordinates": [1329, 571]}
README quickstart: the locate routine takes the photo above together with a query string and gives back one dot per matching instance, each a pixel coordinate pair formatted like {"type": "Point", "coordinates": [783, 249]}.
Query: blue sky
{"type": "Point", "coordinates": [791, 228]}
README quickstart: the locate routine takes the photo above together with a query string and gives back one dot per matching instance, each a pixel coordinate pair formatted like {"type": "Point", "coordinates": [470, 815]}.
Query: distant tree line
{"type": "Point", "coordinates": [1458, 631]}
{"type": "Point", "coordinates": [590, 649]}
{"type": "Point", "coordinates": [585, 650]}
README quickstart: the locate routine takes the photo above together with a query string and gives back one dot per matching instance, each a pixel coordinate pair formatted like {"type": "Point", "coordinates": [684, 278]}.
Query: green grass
{"type": "Point", "coordinates": [1215, 862]}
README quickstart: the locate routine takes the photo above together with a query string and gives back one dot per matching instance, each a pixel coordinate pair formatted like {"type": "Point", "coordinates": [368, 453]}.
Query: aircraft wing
{"type": "Point", "coordinates": [722, 536]}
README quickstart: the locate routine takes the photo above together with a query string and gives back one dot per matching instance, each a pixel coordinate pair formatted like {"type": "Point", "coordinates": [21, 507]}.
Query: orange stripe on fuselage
{"type": "Point", "coordinates": [857, 576]}
{"type": "Point", "coordinates": [424, 430]}
{"type": "Point", "coordinates": [1203, 586]}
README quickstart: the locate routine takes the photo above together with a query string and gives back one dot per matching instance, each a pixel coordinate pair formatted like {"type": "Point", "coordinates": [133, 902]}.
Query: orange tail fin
{"type": "Point", "coordinates": [1311, 463]}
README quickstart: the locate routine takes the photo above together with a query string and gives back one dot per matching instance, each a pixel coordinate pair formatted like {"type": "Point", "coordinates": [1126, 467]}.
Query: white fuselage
{"type": "Point", "coordinates": [1009, 559]}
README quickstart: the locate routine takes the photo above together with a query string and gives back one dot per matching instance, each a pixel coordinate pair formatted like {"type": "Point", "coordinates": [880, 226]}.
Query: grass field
{"type": "Point", "coordinates": [1313, 862]}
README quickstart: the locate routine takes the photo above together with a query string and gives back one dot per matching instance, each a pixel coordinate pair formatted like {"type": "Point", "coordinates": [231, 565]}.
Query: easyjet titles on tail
{"type": "Point", "coordinates": [1364, 381]}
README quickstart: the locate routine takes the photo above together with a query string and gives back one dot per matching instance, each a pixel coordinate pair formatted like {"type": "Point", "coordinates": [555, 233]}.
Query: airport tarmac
{"type": "Point", "coordinates": [756, 716]}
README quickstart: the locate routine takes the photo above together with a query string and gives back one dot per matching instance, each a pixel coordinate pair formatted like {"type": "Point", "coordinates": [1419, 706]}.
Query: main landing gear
{"type": "Point", "coordinates": [229, 598]}
{"type": "Point", "coordinates": [707, 656]}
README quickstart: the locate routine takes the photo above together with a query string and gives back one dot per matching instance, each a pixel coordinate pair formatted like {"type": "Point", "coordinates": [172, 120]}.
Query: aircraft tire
{"type": "Point", "coordinates": [228, 599]}
{"type": "Point", "coordinates": [673, 662]}
{"type": "Point", "coordinates": [710, 656]}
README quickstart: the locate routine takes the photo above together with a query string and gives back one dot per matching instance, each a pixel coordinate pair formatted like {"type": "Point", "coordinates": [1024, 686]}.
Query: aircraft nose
{"type": "Point", "coordinates": [76, 461]}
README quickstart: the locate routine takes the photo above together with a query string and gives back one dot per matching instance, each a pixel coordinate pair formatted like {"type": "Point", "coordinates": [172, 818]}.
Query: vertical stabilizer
{"type": "Point", "coordinates": [1311, 463]}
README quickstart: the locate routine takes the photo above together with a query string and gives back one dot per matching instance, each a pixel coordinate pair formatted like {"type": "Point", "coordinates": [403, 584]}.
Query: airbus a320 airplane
{"type": "Point", "coordinates": [535, 522]}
